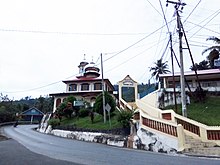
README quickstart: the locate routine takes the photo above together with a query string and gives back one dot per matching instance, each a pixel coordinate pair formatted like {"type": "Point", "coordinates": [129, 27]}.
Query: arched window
{"type": "Point", "coordinates": [84, 87]}
{"type": "Point", "coordinates": [92, 101]}
{"type": "Point", "coordinates": [98, 86]}
{"type": "Point", "coordinates": [58, 101]}
{"type": "Point", "coordinates": [72, 87]}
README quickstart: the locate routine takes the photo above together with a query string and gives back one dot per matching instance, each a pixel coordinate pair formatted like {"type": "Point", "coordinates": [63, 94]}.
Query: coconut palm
{"type": "Point", "coordinates": [214, 50]}
{"type": "Point", "coordinates": [159, 68]}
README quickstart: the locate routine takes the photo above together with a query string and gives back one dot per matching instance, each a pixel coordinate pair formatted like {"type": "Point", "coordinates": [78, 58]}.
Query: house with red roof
{"type": "Point", "coordinates": [85, 87]}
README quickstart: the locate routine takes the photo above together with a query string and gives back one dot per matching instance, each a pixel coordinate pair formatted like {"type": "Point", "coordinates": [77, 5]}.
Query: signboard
{"type": "Point", "coordinates": [78, 103]}
{"type": "Point", "coordinates": [217, 62]}
{"type": "Point", "coordinates": [128, 83]}
{"type": "Point", "coordinates": [108, 107]}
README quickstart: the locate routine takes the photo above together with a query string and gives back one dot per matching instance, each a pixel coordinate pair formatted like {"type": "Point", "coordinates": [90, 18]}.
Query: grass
{"type": "Point", "coordinates": [207, 113]}
{"type": "Point", "coordinates": [98, 122]}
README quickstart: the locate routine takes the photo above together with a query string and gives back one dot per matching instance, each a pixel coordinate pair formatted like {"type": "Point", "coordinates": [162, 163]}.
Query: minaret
{"type": "Point", "coordinates": [82, 67]}
{"type": "Point", "coordinates": [91, 70]}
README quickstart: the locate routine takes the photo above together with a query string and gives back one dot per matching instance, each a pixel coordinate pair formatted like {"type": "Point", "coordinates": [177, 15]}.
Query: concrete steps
{"type": "Point", "coordinates": [199, 148]}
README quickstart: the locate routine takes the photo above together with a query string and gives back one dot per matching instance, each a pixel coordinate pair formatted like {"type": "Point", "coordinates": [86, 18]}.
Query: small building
{"type": "Point", "coordinates": [209, 80]}
{"type": "Point", "coordinates": [86, 86]}
{"type": "Point", "coordinates": [32, 114]}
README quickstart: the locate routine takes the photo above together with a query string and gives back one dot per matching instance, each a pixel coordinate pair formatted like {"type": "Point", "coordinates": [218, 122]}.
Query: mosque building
{"type": "Point", "coordinates": [85, 87]}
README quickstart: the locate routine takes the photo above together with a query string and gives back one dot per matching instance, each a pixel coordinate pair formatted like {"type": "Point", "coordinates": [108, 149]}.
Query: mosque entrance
{"type": "Point", "coordinates": [128, 90]}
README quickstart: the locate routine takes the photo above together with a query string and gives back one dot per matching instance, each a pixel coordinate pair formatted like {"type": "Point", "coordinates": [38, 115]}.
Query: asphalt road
{"type": "Point", "coordinates": [91, 153]}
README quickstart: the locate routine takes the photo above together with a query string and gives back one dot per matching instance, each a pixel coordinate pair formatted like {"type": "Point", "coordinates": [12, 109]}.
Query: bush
{"type": "Point", "coordinates": [54, 122]}
{"type": "Point", "coordinates": [83, 113]}
{"type": "Point", "coordinates": [124, 117]}
{"type": "Point", "coordinates": [98, 106]}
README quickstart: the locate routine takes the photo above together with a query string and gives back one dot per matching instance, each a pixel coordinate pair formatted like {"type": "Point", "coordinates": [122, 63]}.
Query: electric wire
{"type": "Point", "coordinates": [36, 88]}
{"type": "Point", "coordinates": [40, 87]}
{"type": "Point", "coordinates": [155, 8]}
{"type": "Point", "coordinates": [192, 12]}
{"type": "Point", "coordinates": [68, 33]}
{"type": "Point", "coordinates": [202, 27]}
{"type": "Point", "coordinates": [123, 62]}
{"type": "Point", "coordinates": [134, 43]}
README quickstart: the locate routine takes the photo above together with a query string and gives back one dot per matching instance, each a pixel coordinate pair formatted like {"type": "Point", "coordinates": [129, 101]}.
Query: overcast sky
{"type": "Point", "coordinates": [43, 41]}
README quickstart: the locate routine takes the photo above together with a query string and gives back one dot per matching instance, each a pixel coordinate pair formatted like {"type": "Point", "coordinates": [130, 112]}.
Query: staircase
{"type": "Point", "coordinates": [198, 148]}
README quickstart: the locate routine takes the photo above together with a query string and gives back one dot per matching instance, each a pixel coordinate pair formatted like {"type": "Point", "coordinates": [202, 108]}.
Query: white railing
{"type": "Point", "coordinates": [191, 127]}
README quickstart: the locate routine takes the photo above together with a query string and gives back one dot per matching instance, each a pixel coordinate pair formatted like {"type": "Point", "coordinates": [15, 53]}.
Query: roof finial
{"type": "Point", "coordinates": [84, 57]}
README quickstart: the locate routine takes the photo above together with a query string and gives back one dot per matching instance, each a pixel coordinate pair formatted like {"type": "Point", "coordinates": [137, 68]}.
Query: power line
{"type": "Point", "coordinates": [36, 88]}
{"type": "Point", "coordinates": [32, 89]}
{"type": "Point", "coordinates": [155, 8]}
{"type": "Point", "coordinates": [202, 27]}
{"type": "Point", "coordinates": [67, 33]}
{"type": "Point", "coordinates": [192, 12]}
{"type": "Point", "coordinates": [135, 43]}
{"type": "Point", "coordinates": [122, 63]}
{"type": "Point", "coordinates": [164, 16]}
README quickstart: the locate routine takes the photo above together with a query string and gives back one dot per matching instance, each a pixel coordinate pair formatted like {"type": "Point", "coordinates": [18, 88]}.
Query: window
{"type": "Point", "coordinates": [85, 87]}
{"type": "Point", "coordinates": [58, 101]}
{"type": "Point", "coordinates": [72, 87]}
{"type": "Point", "coordinates": [209, 84]}
{"type": "Point", "coordinates": [98, 86]}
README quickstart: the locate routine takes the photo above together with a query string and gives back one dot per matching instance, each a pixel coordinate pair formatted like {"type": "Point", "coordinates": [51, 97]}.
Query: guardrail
{"type": "Point", "coordinates": [124, 105]}
{"type": "Point", "coordinates": [160, 126]}
{"type": "Point", "coordinates": [193, 128]}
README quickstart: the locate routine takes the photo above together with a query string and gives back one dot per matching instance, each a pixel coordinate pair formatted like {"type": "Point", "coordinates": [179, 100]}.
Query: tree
{"type": "Point", "coordinates": [203, 65]}
{"type": "Point", "coordinates": [213, 51]}
{"type": "Point", "coordinates": [159, 68]}
{"type": "Point", "coordinates": [66, 108]}
{"type": "Point", "coordinates": [40, 103]}
{"type": "Point", "coordinates": [44, 104]}
{"type": "Point", "coordinates": [98, 106]}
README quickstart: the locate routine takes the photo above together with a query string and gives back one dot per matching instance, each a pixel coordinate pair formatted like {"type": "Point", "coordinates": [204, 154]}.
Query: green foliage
{"type": "Point", "coordinates": [54, 122]}
{"type": "Point", "coordinates": [206, 113]}
{"type": "Point", "coordinates": [85, 122]}
{"type": "Point", "coordinates": [70, 99]}
{"type": "Point", "coordinates": [66, 108]}
{"type": "Point", "coordinates": [44, 104]}
{"type": "Point", "coordinates": [5, 116]}
{"type": "Point", "coordinates": [124, 117]}
{"type": "Point", "coordinates": [10, 107]}
{"type": "Point", "coordinates": [159, 68]}
{"type": "Point", "coordinates": [61, 107]}
{"type": "Point", "coordinates": [83, 112]}
{"type": "Point", "coordinates": [98, 106]}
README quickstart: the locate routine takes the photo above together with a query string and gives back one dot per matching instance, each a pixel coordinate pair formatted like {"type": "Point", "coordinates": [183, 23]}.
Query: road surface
{"type": "Point", "coordinates": [93, 153]}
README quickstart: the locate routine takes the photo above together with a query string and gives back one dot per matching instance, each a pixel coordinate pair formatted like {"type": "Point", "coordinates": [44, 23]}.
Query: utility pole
{"type": "Point", "coordinates": [174, 83]}
{"type": "Point", "coordinates": [103, 92]}
{"type": "Point", "coordinates": [182, 78]}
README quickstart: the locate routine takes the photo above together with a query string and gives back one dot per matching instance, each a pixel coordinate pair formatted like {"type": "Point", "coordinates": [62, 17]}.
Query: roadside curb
{"type": "Point", "coordinates": [202, 156]}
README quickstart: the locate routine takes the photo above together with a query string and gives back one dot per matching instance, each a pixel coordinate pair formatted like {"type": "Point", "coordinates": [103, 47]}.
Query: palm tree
{"type": "Point", "coordinates": [214, 50]}
{"type": "Point", "coordinates": [159, 68]}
